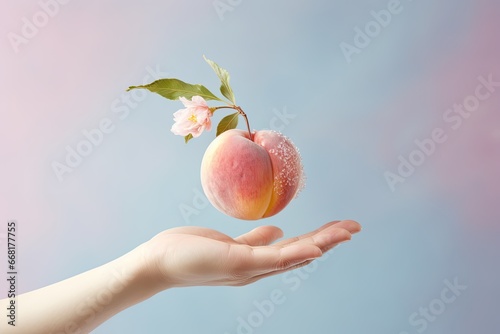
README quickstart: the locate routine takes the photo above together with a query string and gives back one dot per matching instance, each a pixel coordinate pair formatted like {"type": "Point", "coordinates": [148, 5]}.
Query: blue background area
{"type": "Point", "coordinates": [350, 120]}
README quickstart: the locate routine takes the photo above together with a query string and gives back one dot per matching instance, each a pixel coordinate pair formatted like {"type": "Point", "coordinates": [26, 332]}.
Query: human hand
{"type": "Point", "coordinates": [195, 256]}
{"type": "Point", "coordinates": [183, 256]}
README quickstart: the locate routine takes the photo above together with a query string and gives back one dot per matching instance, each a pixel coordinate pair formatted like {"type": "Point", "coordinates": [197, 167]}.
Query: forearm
{"type": "Point", "coordinates": [81, 303]}
{"type": "Point", "coordinates": [179, 257]}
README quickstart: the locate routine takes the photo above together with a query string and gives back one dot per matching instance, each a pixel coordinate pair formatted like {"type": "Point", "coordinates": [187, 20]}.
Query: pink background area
{"type": "Point", "coordinates": [351, 122]}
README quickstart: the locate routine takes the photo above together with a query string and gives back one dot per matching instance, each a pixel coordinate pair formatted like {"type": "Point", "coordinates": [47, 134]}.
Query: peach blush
{"type": "Point", "coordinates": [251, 179]}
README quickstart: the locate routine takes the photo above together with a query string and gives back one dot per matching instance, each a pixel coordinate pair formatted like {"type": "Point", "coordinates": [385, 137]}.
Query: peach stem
{"type": "Point", "coordinates": [242, 113]}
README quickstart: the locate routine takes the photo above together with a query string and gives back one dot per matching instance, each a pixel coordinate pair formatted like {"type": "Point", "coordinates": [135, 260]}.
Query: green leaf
{"type": "Point", "coordinates": [223, 75]}
{"type": "Point", "coordinates": [227, 123]}
{"type": "Point", "coordinates": [172, 89]}
{"type": "Point", "coordinates": [188, 138]}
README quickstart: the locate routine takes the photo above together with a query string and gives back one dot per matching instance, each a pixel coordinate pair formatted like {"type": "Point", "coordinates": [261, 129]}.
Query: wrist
{"type": "Point", "coordinates": [155, 257]}
{"type": "Point", "coordinates": [137, 272]}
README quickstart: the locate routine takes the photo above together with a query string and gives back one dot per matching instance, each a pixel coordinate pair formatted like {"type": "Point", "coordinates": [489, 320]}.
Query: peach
{"type": "Point", "coordinates": [251, 179]}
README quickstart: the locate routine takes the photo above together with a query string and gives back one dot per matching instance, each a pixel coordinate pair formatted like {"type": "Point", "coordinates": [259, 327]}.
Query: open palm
{"type": "Point", "coordinates": [193, 256]}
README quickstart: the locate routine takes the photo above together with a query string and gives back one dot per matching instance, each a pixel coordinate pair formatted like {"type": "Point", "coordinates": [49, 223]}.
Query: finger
{"type": "Point", "coordinates": [260, 236]}
{"type": "Point", "coordinates": [259, 276]}
{"type": "Point", "coordinates": [269, 262]}
{"type": "Point", "coordinates": [272, 258]}
{"type": "Point", "coordinates": [309, 234]}
{"type": "Point", "coordinates": [275, 272]}
{"type": "Point", "coordinates": [294, 255]}
{"type": "Point", "coordinates": [327, 238]}
{"type": "Point", "coordinates": [268, 259]}
{"type": "Point", "coordinates": [303, 250]}
{"type": "Point", "coordinates": [349, 225]}
{"type": "Point", "coordinates": [199, 231]}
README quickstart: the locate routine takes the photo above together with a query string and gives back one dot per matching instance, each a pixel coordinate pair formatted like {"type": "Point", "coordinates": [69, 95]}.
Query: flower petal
{"type": "Point", "coordinates": [193, 119]}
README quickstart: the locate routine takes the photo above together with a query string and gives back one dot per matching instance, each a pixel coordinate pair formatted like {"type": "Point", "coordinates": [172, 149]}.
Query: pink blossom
{"type": "Point", "coordinates": [193, 119]}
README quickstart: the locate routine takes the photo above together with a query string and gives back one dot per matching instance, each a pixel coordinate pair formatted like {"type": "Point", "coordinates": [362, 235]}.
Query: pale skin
{"type": "Point", "coordinates": [178, 257]}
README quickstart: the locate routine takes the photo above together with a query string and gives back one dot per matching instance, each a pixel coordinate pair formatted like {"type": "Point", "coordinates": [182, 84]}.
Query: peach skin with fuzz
{"type": "Point", "coordinates": [251, 178]}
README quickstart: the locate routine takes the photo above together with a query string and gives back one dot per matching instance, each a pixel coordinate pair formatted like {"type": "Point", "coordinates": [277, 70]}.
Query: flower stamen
{"type": "Point", "coordinates": [193, 118]}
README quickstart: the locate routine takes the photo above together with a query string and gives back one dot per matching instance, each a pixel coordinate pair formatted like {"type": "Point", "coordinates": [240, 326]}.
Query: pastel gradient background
{"type": "Point", "coordinates": [351, 122]}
